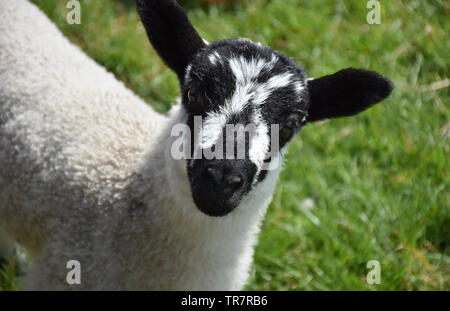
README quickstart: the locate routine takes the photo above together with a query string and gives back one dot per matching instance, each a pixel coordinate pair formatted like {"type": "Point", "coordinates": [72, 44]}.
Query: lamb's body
{"type": "Point", "coordinates": [85, 175]}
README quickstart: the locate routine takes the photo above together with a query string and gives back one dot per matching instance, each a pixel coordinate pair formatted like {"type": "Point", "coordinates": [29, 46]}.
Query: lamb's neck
{"type": "Point", "coordinates": [192, 241]}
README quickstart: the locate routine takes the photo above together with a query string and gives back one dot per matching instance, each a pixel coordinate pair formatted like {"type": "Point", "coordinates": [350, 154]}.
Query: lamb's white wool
{"type": "Point", "coordinates": [86, 174]}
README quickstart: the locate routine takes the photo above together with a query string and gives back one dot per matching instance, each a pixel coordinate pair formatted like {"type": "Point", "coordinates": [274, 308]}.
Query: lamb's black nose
{"type": "Point", "coordinates": [223, 177]}
{"type": "Point", "coordinates": [218, 185]}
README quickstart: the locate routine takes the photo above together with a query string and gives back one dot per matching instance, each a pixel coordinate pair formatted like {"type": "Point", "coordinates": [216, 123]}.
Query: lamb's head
{"type": "Point", "coordinates": [244, 102]}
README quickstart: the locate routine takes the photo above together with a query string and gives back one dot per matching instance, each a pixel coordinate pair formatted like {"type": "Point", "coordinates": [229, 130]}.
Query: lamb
{"type": "Point", "coordinates": [87, 170]}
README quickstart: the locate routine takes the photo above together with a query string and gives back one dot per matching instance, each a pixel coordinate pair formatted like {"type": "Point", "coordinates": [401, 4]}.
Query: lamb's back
{"type": "Point", "coordinates": [71, 134]}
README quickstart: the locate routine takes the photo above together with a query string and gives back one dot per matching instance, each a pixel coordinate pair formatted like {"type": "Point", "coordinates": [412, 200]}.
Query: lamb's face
{"type": "Point", "coordinates": [249, 101]}
{"type": "Point", "coordinates": [237, 82]}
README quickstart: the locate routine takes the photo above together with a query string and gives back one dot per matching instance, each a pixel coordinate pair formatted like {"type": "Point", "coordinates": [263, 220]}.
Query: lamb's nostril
{"type": "Point", "coordinates": [216, 174]}
{"type": "Point", "coordinates": [234, 181]}
{"type": "Point", "coordinates": [231, 182]}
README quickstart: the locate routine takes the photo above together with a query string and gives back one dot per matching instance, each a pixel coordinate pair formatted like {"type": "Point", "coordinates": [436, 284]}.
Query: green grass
{"type": "Point", "coordinates": [378, 183]}
{"type": "Point", "coordinates": [8, 280]}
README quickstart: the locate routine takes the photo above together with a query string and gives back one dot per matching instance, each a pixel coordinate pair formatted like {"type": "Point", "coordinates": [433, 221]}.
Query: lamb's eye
{"type": "Point", "coordinates": [196, 101]}
{"type": "Point", "coordinates": [288, 128]}
{"type": "Point", "coordinates": [290, 124]}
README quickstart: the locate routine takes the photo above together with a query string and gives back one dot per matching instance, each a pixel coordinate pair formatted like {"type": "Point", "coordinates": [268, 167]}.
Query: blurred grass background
{"type": "Point", "coordinates": [375, 186]}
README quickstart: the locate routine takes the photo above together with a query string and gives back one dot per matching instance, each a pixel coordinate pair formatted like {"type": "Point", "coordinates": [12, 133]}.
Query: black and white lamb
{"type": "Point", "coordinates": [90, 172]}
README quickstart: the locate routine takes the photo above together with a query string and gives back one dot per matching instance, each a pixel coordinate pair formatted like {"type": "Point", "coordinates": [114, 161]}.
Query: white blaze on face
{"type": "Point", "coordinates": [247, 91]}
{"type": "Point", "coordinates": [212, 129]}
{"type": "Point", "coordinates": [215, 58]}
{"type": "Point", "coordinates": [244, 70]}
{"type": "Point", "coordinates": [299, 86]}
{"type": "Point", "coordinates": [265, 90]}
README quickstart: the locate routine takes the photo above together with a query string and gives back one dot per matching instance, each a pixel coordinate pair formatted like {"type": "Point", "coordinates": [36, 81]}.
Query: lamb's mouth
{"type": "Point", "coordinates": [216, 204]}
{"type": "Point", "coordinates": [218, 186]}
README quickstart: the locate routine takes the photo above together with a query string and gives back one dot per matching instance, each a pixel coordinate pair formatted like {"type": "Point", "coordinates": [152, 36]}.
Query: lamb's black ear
{"type": "Point", "coordinates": [345, 93]}
{"type": "Point", "coordinates": [170, 32]}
